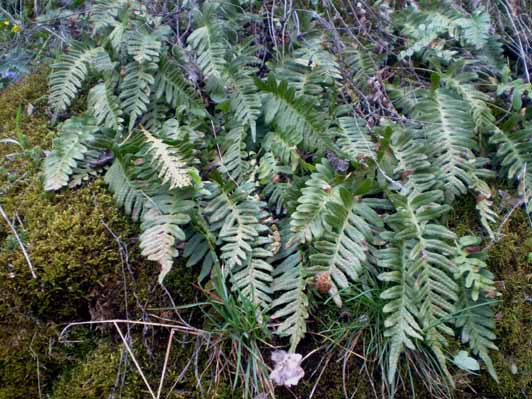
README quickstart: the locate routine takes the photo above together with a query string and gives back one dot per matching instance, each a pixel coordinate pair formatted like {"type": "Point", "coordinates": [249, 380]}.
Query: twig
{"type": "Point", "coordinates": [181, 328]}
{"type": "Point", "coordinates": [137, 365]}
{"type": "Point", "coordinates": [167, 355]}
{"type": "Point", "coordinates": [28, 260]}
{"type": "Point", "coordinates": [34, 354]}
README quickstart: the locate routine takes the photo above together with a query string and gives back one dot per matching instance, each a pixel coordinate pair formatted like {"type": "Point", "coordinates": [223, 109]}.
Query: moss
{"type": "Point", "coordinates": [96, 377]}
{"type": "Point", "coordinates": [509, 260]}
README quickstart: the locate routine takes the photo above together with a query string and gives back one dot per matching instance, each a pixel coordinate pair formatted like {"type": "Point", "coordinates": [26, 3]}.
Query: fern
{"type": "Point", "coordinates": [127, 193]}
{"type": "Point", "coordinates": [135, 90]}
{"type": "Point", "coordinates": [401, 306]}
{"type": "Point", "coordinates": [161, 230]}
{"type": "Point", "coordinates": [353, 139]}
{"type": "Point", "coordinates": [105, 107]}
{"type": "Point", "coordinates": [245, 101]}
{"type": "Point", "coordinates": [426, 250]}
{"type": "Point", "coordinates": [208, 41]}
{"type": "Point", "coordinates": [244, 116]}
{"type": "Point", "coordinates": [309, 221]}
{"type": "Point", "coordinates": [254, 278]}
{"type": "Point", "coordinates": [291, 306]}
{"type": "Point", "coordinates": [68, 149]}
{"type": "Point", "coordinates": [68, 74]}
{"type": "Point", "coordinates": [172, 86]}
{"type": "Point", "coordinates": [145, 47]}
{"type": "Point", "coordinates": [172, 166]}
{"type": "Point", "coordinates": [449, 128]}
{"type": "Point", "coordinates": [342, 251]}
{"type": "Point", "coordinates": [291, 113]}
{"type": "Point", "coordinates": [514, 151]}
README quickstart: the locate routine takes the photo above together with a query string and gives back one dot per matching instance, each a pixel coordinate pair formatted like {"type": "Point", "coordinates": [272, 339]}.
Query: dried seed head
{"type": "Point", "coordinates": [322, 282]}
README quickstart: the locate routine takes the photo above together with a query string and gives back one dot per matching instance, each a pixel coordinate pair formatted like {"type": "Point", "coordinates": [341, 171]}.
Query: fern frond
{"type": "Point", "coordinates": [105, 107]}
{"type": "Point", "coordinates": [68, 74]}
{"type": "Point", "coordinates": [172, 86]}
{"type": "Point", "coordinates": [154, 118]}
{"type": "Point", "coordinates": [342, 251]}
{"type": "Point", "coordinates": [135, 90]}
{"type": "Point", "coordinates": [144, 46]}
{"type": "Point", "coordinates": [291, 306]}
{"type": "Point", "coordinates": [126, 192]}
{"type": "Point", "coordinates": [353, 139]}
{"type": "Point", "coordinates": [309, 221]}
{"type": "Point", "coordinates": [161, 230]}
{"type": "Point", "coordinates": [471, 267]}
{"type": "Point", "coordinates": [68, 149]}
{"type": "Point", "coordinates": [290, 113]}
{"type": "Point", "coordinates": [427, 247]}
{"type": "Point", "coordinates": [315, 55]}
{"type": "Point", "coordinates": [208, 42]}
{"type": "Point", "coordinates": [463, 85]}
{"type": "Point", "coordinates": [449, 129]}
{"type": "Point", "coordinates": [413, 164]}
{"type": "Point", "coordinates": [234, 214]}
{"type": "Point", "coordinates": [103, 14]}
{"type": "Point", "coordinates": [232, 161]}
{"type": "Point", "coordinates": [254, 278]}
{"type": "Point", "coordinates": [475, 319]}
{"type": "Point", "coordinates": [172, 166]}
{"type": "Point", "coordinates": [514, 152]}
{"type": "Point", "coordinates": [401, 306]}
{"type": "Point", "coordinates": [245, 100]}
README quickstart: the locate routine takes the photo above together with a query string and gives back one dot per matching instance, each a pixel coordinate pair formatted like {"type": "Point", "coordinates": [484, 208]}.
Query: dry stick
{"type": "Point", "coordinates": [134, 360]}
{"type": "Point", "coordinates": [38, 366]}
{"type": "Point", "coordinates": [28, 260]}
{"type": "Point", "coordinates": [167, 355]}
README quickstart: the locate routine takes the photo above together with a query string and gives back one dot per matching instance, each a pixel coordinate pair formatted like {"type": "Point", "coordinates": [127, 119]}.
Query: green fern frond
{"type": "Point", "coordinates": [135, 90]}
{"type": "Point", "coordinates": [309, 221]}
{"type": "Point", "coordinates": [463, 85]}
{"type": "Point", "coordinates": [353, 140]}
{"type": "Point", "coordinates": [234, 215]}
{"type": "Point", "coordinates": [154, 118]}
{"type": "Point", "coordinates": [402, 327]}
{"type": "Point", "coordinates": [145, 46]}
{"type": "Point", "coordinates": [514, 152]}
{"type": "Point", "coordinates": [288, 113]}
{"type": "Point", "coordinates": [68, 150]}
{"type": "Point", "coordinates": [103, 14]}
{"type": "Point", "coordinates": [413, 168]}
{"type": "Point", "coordinates": [291, 306]}
{"type": "Point", "coordinates": [449, 129]}
{"type": "Point", "coordinates": [313, 54]}
{"type": "Point", "coordinates": [427, 247]}
{"type": "Point", "coordinates": [68, 74]}
{"type": "Point", "coordinates": [232, 156]}
{"type": "Point", "coordinates": [254, 278]}
{"type": "Point", "coordinates": [343, 251]}
{"type": "Point", "coordinates": [208, 42]}
{"type": "Point", "coordinates": [475, 319]}
{"type": "Point", "coordinates": [126, 192]}
{"type": "Point", "coordinates": [245, 100]}
{"type": "Point", "coordinates": [172, 86]}
{"type": "Point", "coordinates": [471, 267]}
{"type": "Point", "coordinates": [105, 107]}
